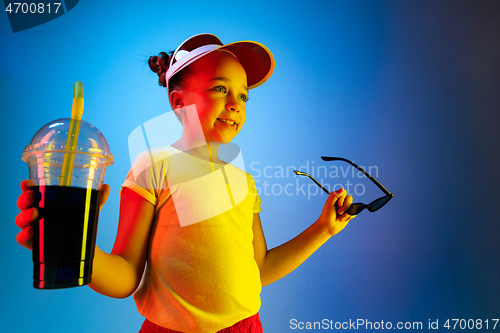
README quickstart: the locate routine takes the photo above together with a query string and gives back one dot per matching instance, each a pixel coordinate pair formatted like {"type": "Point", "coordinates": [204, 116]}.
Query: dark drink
{"type": "Point", "coordinates": [67, 158]}
{"type": "Point", "coordinates": [63, 245]}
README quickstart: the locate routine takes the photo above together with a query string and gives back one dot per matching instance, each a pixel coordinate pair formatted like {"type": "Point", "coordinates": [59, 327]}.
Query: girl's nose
{"type": "Point", "coordinates": [232, 104]}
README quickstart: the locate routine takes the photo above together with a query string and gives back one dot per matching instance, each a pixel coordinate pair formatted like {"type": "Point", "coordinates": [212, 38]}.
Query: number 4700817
{"type": "Point", "coordinates": [471, 324]}
{"type": "Point", "coordinates": [32, 8]}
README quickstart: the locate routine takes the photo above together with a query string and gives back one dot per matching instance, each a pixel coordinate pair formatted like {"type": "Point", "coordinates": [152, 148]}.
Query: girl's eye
{"type": "Point", "coordinates": [221, 89]}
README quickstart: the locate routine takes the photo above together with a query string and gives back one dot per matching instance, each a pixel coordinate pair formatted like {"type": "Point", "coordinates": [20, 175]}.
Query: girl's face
{"type": "Point", "coordinates": [217, 85]}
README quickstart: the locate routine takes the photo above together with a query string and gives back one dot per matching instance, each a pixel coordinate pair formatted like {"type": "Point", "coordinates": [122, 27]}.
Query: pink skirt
{"type": "Point", "coordinates": [249, 325]}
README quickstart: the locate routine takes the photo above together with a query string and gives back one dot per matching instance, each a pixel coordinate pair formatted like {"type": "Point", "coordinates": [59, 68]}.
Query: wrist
{"type": "Point", "coordinates": [325, 228]}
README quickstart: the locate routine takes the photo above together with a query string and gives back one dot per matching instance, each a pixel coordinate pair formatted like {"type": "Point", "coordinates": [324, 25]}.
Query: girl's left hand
{"type": "Point", "coordinates": [333, 215]}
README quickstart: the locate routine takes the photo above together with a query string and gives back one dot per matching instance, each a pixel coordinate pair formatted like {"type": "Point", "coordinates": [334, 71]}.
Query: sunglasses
{"type": "Point", "coordinates": [356, 208]}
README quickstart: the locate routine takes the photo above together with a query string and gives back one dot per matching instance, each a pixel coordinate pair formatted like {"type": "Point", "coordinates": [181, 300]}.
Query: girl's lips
{"type": "Point", "coordinates": [227, 122]}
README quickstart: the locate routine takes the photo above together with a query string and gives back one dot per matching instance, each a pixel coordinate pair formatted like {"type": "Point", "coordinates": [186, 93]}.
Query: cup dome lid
{"type": "Point", "coordinates": [53, 138]}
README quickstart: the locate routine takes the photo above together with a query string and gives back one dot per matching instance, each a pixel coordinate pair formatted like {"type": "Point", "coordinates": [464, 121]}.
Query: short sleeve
{"type": "Point", "coordinates": [256, 207]}
{"type": "Point", "coordinates": [253, 191]}
{"type": "Point", "coordinates": [146, 177]}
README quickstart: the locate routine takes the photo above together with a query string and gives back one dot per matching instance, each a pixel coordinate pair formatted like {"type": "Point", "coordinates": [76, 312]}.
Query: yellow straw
{"type": "Point", "coordinates": [87, 216]}
{"type": "Point", "coordinates": [72, 140]}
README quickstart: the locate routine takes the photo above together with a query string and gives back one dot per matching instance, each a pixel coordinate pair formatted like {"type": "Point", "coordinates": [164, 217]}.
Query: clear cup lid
{"type": "Point", "coordinates": [53, 137]}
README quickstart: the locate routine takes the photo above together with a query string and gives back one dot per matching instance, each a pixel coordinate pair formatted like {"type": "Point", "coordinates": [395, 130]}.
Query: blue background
{"type": "Point", "coordinates": [409, 87]}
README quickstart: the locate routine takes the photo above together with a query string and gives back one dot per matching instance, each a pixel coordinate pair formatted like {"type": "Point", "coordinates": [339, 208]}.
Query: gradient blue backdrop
{"type": "Point", "coordinates": [409, 87]}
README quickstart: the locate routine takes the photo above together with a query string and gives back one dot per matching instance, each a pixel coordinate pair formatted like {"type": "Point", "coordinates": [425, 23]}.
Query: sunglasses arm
{"type": "Point", "coordinates": [326, 158]}
{"type": "Point", "coordinates": [324, 189]}
{"type": "Point", "coordinates": [300, 173]}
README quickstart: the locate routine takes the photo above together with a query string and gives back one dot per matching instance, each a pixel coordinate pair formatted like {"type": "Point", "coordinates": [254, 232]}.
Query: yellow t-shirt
{"type": "Point", "coordinates": [201, 275]}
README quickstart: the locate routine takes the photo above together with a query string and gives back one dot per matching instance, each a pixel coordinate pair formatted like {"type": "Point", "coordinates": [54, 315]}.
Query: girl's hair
{"type": "Point", "coordinates": [159, 64]}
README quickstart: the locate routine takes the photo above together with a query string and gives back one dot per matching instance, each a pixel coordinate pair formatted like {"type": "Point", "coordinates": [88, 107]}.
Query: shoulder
{"type": "Point", "coordinates": [151, 161]}
{"type": "Point", "coordinates": [154, 155]}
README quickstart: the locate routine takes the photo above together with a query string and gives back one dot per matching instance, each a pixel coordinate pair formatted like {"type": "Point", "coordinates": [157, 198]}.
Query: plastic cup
{"type": "Point", "coordinates": [65, 234]}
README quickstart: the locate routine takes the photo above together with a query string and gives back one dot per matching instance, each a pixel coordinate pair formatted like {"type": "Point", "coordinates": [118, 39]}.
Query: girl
{"type": "Point", "coordinates": [192, 217]}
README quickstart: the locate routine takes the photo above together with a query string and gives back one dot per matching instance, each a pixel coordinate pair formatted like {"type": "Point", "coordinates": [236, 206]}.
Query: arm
{"type": "Point", "coordinates": [281, 260]}
{"type": "Point", "coordinates": [118, 274]}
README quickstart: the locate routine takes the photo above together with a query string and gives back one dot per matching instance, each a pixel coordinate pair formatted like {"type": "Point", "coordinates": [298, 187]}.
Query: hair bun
{"type": "Point", "coordinates": [159, 64]}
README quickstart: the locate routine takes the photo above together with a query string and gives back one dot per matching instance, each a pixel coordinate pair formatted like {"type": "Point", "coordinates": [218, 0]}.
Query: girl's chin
{"type": "Point", "coordinates": [221, 137]}
{"type": "Point", "coordinates": [220, 140]}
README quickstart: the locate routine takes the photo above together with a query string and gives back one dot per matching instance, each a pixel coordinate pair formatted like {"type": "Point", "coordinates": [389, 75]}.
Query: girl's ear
{"type": "Point", "coordinates": [176, 99]}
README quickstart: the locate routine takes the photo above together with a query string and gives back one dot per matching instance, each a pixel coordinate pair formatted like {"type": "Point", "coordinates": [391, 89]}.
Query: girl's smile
{"type": "Point", "coordinates": [228, 122]}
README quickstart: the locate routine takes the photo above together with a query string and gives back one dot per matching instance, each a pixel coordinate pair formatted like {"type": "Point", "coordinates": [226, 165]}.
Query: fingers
{"type": "Point", "coordinates": [26, 200]}
{"type": "Point", "coordinates": [346, 217]}
{"type": "Point", "coordinates": [346, 203]}
{"type": "Point", "coordinates": [334, 196]}
{"type": "Point", "coordinates": [28, 214]}
{"type": "Point", "coordinates": [336, 207]}
{"type": "Point", "coordinates": [26, 217]}
{"type": "Point", "coordinates": [27, 185]}
{"type": "Point", "coordinates": [105, 189]}
{"type": "Point", "coordinates": [25, 237]}
{"type": "Point", "coordinates": [28, 197]}
{"type": "Point", "coordinates": [342, 198]}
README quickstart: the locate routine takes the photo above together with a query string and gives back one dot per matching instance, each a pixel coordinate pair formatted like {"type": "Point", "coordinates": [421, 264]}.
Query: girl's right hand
{"type": "Point", "coordinates": [27, 203]}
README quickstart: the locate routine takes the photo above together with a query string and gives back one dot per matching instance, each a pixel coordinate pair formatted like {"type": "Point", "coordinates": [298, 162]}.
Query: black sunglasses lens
{"type": "Point", "coordinates": [355, 209]}
{"type": "Point", "coordinates": [379, 203]}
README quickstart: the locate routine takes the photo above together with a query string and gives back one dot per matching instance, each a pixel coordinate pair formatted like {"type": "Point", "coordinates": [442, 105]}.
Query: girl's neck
{"type": "Point", "coordinates": [208, 151]}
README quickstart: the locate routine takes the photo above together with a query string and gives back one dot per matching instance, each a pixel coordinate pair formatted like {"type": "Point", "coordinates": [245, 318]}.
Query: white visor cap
{"type": "Point", "coordinates": [256, 59]}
